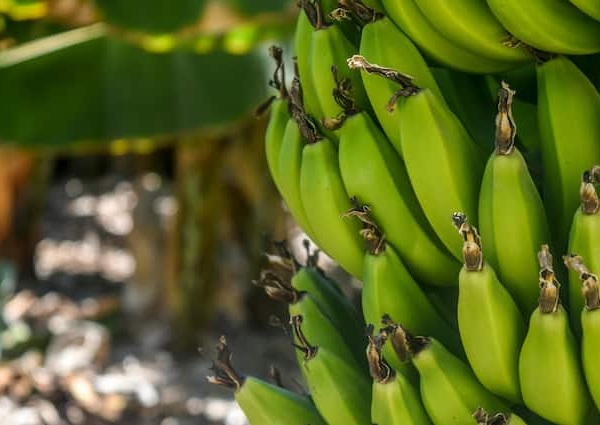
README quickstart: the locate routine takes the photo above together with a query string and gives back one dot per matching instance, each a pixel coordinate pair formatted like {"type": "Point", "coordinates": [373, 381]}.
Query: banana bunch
{"type": "Point", "coordinates": [403, 119]}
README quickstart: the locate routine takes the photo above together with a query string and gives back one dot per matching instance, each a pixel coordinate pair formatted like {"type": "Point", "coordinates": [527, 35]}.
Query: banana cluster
{"type": "Point", "coordinates": [396, 150]}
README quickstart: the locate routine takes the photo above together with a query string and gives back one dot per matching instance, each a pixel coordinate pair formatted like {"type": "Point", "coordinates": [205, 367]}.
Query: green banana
{"type": "Point", "coordinates": [552, 383]}
{"type": "Point", "coordinates": [261, 402]}
{"type": "Point", "coordinates": [589, 7]}
{"type": "Point", "coordinates": [411, 20]}
{"type": "Point", "coordinates": [471, 25]}
{"type": "Point", "coordinates": [549, 25]}
{"type": "Point", "coordinates": [341, 393]}
{"type": "Point", "coordinates": [395, 400]}
{"type": "Point", "coordinates": [512, 218]}
{"type": "Point", "coordinates": [280, 116]}
{"type": "Point", "coordinates": [303, 50]}
{"type": "Point", "coordinates": [290, 160]}
{"type": "Point", "coordinates": [443, 163]}
{"type": "Point", "coordinates": [490, 323]}
{"type": "Point", "coordinates": [566, 96]}
{"type": "Point", "coordinates": [590, 324]}
{"type": "Point", "coordinates": [325, 200]}
{"type": "Point", "coordinates": [331, 49]}
{"type": "Point", "coordinates": [374, 174]}
{"type": "Point", "coordinates": [583, 240]}
{"type": "Point", "coordinates": [389, 289]}
{"type": "Point", "coordinates": [468, 96]}
{"type": "Point", "coordinates": [383, 42]}
{"type": "Point", "coordinates": [484, 418]}
{"type": "Point", "coordinates": [449, 390]}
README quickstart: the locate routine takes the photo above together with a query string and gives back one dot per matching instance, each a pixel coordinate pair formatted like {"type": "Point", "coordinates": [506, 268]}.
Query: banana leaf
{"type": "Point", "coordinates": [86, 85]}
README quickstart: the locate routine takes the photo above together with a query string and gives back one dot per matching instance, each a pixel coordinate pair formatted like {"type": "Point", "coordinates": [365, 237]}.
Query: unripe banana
{"type": "Point", "coordinates": [261, 402]}
{"type": "Point", "coordinates": [566, 96]}
{"type": "Point", "coordinates": [471, 25]}
{"type": "Point", "coordinates": [583, 240]}
{"type": "Point", "coordinates": [383, 42]}
{"type": "Point", "coordinates": [389, 289]}
{"type": "Point", "coordinates": [512, 217]}
{"type": "Point", "coordinates": [279, 118]}
{"type": "Point", "coordinates": [290, 160]}
{"type": "Point", "coordinates": [340, 391]}
{"type": "Point", "coordinates": [395, 400]}
{"type": "Point", "coordinates": [449, 390]}
{"type": "Point", "coordinates": [443, 163]}
{"type": "Point", "coordinates": [552, 382]}
{"type": "Point", "coordinates": [590, 324]}
{"type": "Point", "coordinates": [549, 25]}
{"type": "Point", "coordinates": [484, 418]}
{"type": "Point", "coordinates": [318, 326]}
{"type": "Point", "coordinates": [374, 174]}
{"type": "Point", "coordinates": [303, 50]}
{"type": "Point", "coordinates": [407, 15]}
{"type": "Point", "coordinates": [589, 7]}
{"type": "Point", "coordinates": [325, 200]}
{"type": "Point", "coordinates": [490, 323]}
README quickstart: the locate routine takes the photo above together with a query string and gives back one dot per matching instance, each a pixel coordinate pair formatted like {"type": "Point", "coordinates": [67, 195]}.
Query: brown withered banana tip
{"type": "Point", "coordinates": [277, 81]}
{"type": "Point", "coordinates": [506, 129]}
{"type": "Point", "coordinates": [224, 373]}
{"type": "Point", "coordinates": [550, 287]}
{"type": "Point", "coordinates": [380, 370]}
{"type": "Point", "coordinates": [484, 418]}
{"type": "Point", "coordinates": [405, 344]}
{"type": "Point", "coordinates": [308, 350]}
{"type": "Point", "coordinates": [472, 251]}
{"type": "Point", "coordinates": [356, 9]}
{"type": "Point", "coordinates": [589, 281]}
{"type": "Point", "coordinates": [370, 232]}
{"type": "Point", "coordinates": [408, 88]}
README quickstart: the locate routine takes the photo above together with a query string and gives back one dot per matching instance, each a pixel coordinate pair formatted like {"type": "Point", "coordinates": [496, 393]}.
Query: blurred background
{"type": "Point", "coordinates": [135, 207]}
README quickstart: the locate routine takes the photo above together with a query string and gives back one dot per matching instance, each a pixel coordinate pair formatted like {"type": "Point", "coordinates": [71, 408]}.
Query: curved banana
{"type": "Point", "coordinates": [590, 323]}
{"type": "Point", "coordinates": [280, 115]}
{"type": "Point", "coordinates": [395, 400]}
{"type": "Point", "coordinates": [383, 42]}
{"type": "Point", "coordinates": [583, 240]}
{"type": "Point", "coordinates": [589, 7]}
{"type": "Point", "coordinates": [471, 25]}
{"type": "Point", "coordinates": [320, 325]}
{"type": "Point", "coordinates": [374, 174]}
{"type": "Point", "coordinates": [290, 160]}
{"type": "Point", "coordinates": [325, 200]}
{"type": "Point", "coordinates": [512, 218]}
{"type": "Point", "coordinates": [331, 49]}
{"type": "Point", "coordinates": [261, 402]}
{"type": "Point", "coordinates": [484, 418]}
{"type": "Point", "coordinates": [411, 20]}
{"type": "Point", "coordinates": [550, 25]}
{"type": "Point", "coordinates": [389, 289]}
{"type": "Point", "coordinates": [341, 393]}
{"type": "Point", "coordinates": [303, 51]}
{"type": "Point", "coordinates": [449, 390]}
{"type": "Point", "coordinates": [490, 323]}
{"type": "Point", "coordinates": [443, 163]}
{"type": "Point", "coordinates": [566, 96]}
{"type": "Point", "coordinates": [549, 358]}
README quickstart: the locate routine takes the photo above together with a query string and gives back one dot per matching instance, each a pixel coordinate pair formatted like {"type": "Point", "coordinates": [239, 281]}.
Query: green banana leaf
{"type": "Point", "coordinates": [85, 85]}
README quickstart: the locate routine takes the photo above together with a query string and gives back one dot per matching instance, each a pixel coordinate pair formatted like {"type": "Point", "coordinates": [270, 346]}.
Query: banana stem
{"type": "Point", "coordinates": [405, 345]}
{"type": "Point", "coordinates": [380, 370]}
{"type": "Point", "coordinates": [506, 129]}
{"type": "Point", "coordinates": [549, 286]}
{"type": "Point", "coordinates": [308, 350]}
{"type": "Point", "coordinates": [589, 281]}
{"type": "Point", "coordinates": [404, 80]}
{"type": "Point", "coordinates": [590, 205]}
{"type": "Point", "coordinates": [472, 252]}
{"type": "Point", "coordinates": [225, 375]}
